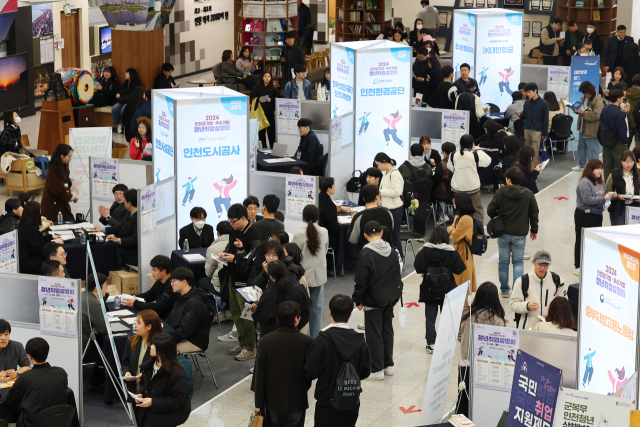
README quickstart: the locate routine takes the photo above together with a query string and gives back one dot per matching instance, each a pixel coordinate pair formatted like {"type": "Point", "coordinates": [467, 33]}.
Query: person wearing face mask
{"type": "Point", "coordinates": [414, 34]}
{"type": "Point", "coordinates": [11, 136]}
{"type": "Point", "coordinates": [595, 39]}
{"type": "Point", "coordinates": [199, 234]}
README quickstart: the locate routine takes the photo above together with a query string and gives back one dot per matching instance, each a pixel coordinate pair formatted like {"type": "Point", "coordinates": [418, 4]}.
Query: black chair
{"type": "Point", "coordinates": [493, 108]}
{"type": "Point", "coordinates": [518, 129]}
{"type": "Point", "coordinates": [561, 132]}
{"type": "Point", "coordinates": [56, 416]}
{"type": "Point", "coordinates": [194, 357]}
{"type": "Point", "coordinates": [416, 228]}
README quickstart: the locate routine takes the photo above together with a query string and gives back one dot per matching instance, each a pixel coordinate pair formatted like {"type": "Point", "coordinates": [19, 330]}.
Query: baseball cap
{"type": "Point", "coordinates": [372, 227]}
{"type": "Point", "coordinates": [428, 38]}
{"type": "Point", "coordinates": [542, 257]}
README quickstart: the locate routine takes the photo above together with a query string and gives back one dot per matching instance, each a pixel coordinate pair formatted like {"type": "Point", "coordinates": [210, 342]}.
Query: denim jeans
{"type": "Point", "coordinates": [116, 113]}
{"type": "Point", "coordinates": [510, 246]}
{"type": "Point", "coordinates": [315, 319]}
{"type": "Point", "coordinates": [397, 220]}
{"type": "Point", "coordinates": [618, 219]}
{"type": "Point", "coordinates": [588, 148]}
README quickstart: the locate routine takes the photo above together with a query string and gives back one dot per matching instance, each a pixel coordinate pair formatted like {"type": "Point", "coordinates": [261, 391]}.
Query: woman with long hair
{"type": "Point", "coordinates": [266, 93]}
{"type": "Point", "coordinates": [559, 319]}
{"type": "Point", "coordinates": [10, 220]}
{"type": "Point", "coordinates": [414, 34]}
{"type": "Point", "coordinates": [164, 387]}
{"type": "Point", "coordinates": [11, 136]}
{"type": "Point", "coordinates": [138, 347]}
{"type": "Point", "coordinates": [57, 186]}
{"type": "Point", "coordinates": [106, 88]}
{"type": "Point", "coordinates": [435, 78]}
{"type": "Point", "coordinates": [123, 96]}
{"type": "Point", "coordinates": [137, 100]}
{"type": "Point", "coordinates": [494, 136]}
{"type": "Point", "coordinates": [555, 108]}
{"type": "Point", "coordinates": [461, 232]}
{"type": "Point", "coordinates": [485, 309]}
{"type": "Point", "coordinates": [524, 162]}
{"type": "Point", "coordinates": [391, 188]}
{"type": "Point", "coordinates": [313, 240]}
{"type": "Point", "coordinates": [624, 182]}
{"type": "Point", "coordinates": [323, 93]}
{"type": "Point", "coordinates": [31, 240]}
{"type": "Point", "coordinates": [591, 195]}
{"type": "Point", "coordinates": [618, 76]}
{"type": "Point", "coordinates": [141, 144]}
{"type": "Point", "coordinates": [588, 121]}
{"type": "Point", "coordinates": [230, 75]}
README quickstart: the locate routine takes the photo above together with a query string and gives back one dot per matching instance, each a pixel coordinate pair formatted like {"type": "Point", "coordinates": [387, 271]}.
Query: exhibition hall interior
{"type": "Point", "coordinates": [431, 207]}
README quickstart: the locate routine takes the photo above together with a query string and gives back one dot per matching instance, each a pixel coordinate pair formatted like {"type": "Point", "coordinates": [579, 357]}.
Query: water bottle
{"type": "Point", "coordinates": [116, 302]}
{"type": "Point", "coordinates": [186, 245]}
{"type": "Point", "coordinates": [83, 239]}
{"type": "Point", "coordinates": [60, 217]}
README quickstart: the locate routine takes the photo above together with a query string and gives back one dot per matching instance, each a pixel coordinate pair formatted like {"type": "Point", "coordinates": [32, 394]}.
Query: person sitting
{"type": "Point", "coordinates": [93, 321]}
{"type": "Point", "coordinates": [199, 234]}
{"type": "Point", "coordinates": [137, 101]}
{"type": "Point", "coordinates": [125, 234]}
{"type": "Point", "coordinates": [494, 136]}
{"type": "Point", "coordinates": [10, 220]}
{"type": "Point", "coordinates": [555, 108]}
{"type": "Point", "coordinates": [11, 136]}
{"type": "Point", "coordinates": [268, 225]}
{"type": "Point", "coordinates": [298, 88]}
{"type": "Point", "coordinates": [373, 176]}
{"type": "Point", "coordinates": [52, 268]}
{"type": "Point", "coordinates": [559, 319]}
{"type": "Point", "coordinates": [31, 240]}
{"type": "Point", "coordinates": [164, 80]}
{"type": "Point", "coordinates": [123, 96]}
{"type": "Point", "coordinates": [323, 93]}
{"type": "Point", "coordinates": [468, 101]}
{"type": "Point", "coordinates": [55, 252]}
{"type": "Point", "coordinates": [247, 65]}
{"type": "Point", "coordinates": [516, 106]}
{"type": "Point", "coordinates": [397, 37]}
{"type": "Point", "coordinates": [190, 315]}
{"type": "Point", "coordinates": [371, 212]}
{"type": "Point", "coordinates": [329, 215]}
{"type": "Point", "coordinates": [141, 145]}
{"type": "Point", "coordinates": [160, 298]}
{"type": "Point", "coordinates": [117, 212]}
{"type": "Point", "coordinates": [309, 142]}
{"type": "Point", "coordinates": [296, 171]}
{"type": "Point", "coordinates": [13, 358]}
{"type": "Point", "coordinates": [43, 387]}
{"type": "Point", "coordinates": [409, 169]}
{"type": "Point", "coordinates": [138, 348]}
{"type": "Point", "coordinates": [143, 111]}
{"type": "Point", "coordinates": [106, 88]}
{"type": "Point", "coordinates": [229, 73]}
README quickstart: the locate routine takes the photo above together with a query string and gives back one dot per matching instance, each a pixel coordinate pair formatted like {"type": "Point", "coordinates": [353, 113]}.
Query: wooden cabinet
{"type": "Point", "coordinates": [359, 20]}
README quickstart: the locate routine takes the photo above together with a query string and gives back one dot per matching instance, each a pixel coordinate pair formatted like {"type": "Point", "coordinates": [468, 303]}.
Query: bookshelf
{"type": "Point", "coordinates": [359, 19]}
{"type": "Point", "coordinates": [262, 26]}
{"type": "Point", "coordinates": [607, 9]}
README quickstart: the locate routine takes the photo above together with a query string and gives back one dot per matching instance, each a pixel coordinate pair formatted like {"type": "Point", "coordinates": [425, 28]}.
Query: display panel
{"type": "Point", "coordinates": [14, 82]}
{"type": "Point", "coordinates": [464, 37]}
{"type": "Point", "coordinates": [105, 40]}
{"type": "Point", "coordinates": [41, 19]}
{"type": "Point", "coordinates": [342, 76]}
{"type": "Point", "coordinates": [164, 128]}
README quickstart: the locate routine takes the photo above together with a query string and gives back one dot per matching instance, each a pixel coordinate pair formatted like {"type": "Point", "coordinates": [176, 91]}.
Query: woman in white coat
{"type": "Point", "coordinates": [323, 92]}
{"type": "Point", "coordinates": [391, 187]}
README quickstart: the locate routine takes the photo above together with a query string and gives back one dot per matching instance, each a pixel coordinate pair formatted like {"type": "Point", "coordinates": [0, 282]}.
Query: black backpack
{"type": "Point", "coordinates": [355, 183]}
{"type": "Point", "coordinates": [346, 394]}
{"type": "Point", "coordinates": [524, 281]}
{"type": "Point", "coordinates": [418, 174]}
{"type": "Point", "coordinates": [478, 244]}
{"type": "Point", "coordinates": [436, 284]}
{"type": "Point", "coordinates": [607, 137]}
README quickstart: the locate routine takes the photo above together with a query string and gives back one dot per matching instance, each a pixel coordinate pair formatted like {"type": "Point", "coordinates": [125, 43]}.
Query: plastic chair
{"type": "Point", "coordinates": [197, 364]}
{"type": "Point", "coordinates": [416, 228]}
{"type": "Point", "coordinates": [561, 132]}
{"type": "Point", "coordinates": [56, 416]}
{"type": "Point", "coordinates": [493, 108]}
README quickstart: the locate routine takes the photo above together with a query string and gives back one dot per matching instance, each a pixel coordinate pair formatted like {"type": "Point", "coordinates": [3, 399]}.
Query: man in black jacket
{"type": "Point", "coordinates": [198, 233]}
{"type": "Point", "coordinates": [335, 344]}
{"type": "Point", "coordinates": [125, 234]}
{"type": "Point", "coordinates": [164, 79]}
{"type": "Point", "coordinates": [329, 216]}
{"type": "Point", "coordinates": [444, 101]}
{"type": "Point", "coordinates": [594, 37]}
{"type": "Point", "coordinates": [616, 49]}
{"type": "Point", "coordinates": [190, 315]}
{"type": "Point", "coordinates": [308, 142]}
{"type": "Point", "coordinates": [291, 56]}
{"type": "Point", "coordinates": [574, 37]}
{"type": "Point", "coordinates": [43, 387]}
{"type": "Point", "coordinates": [371, 212]}
{"type": "Point", "coordinates": [117, 212]}
{"type": "Point", "coordinates": [160, 298]}
{"type": "Point", "coordinates": [461, 83]}
{"type": "Point", "coordinates": [372, 176]}
{"type": "Point", "coordinates": [551, 42]}
{"type": "Point", "coordinates": [375, 261]}
{"type": "Point", "coordinates": [421, 73]}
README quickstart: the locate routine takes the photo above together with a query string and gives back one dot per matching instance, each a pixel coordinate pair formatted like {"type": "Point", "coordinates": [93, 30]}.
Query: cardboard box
{"type": "Point", "coordinates": [113, 290]}
{"type": "Point", "coordinates": [125, 281]}
{"type": "Point", "coordinates": [151, 280]}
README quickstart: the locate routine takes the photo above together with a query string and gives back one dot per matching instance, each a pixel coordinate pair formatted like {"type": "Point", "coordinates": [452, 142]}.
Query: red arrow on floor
{"type": "Point", "coordinates": [410, 409]}
{"type": "Point", "coordinates": [561, 198]}
{"type": "Point", "coordinates": [412, 304]}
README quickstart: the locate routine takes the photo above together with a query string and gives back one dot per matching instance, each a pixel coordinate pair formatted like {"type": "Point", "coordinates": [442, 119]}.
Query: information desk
{"type": "Point", "coordinates": [279, 167]}
{"type": "Point", "coordinates": [12, 417]}
{"type": "Point", "coordinates": [197, 267]}
{"type": "Point", "coordinates": [105, 255]}
{"type": "Point", "coordinates": [346, 254]}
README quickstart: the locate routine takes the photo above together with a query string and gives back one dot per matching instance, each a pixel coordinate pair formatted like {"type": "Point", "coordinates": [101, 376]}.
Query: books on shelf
{"type": "Point", "coordinates": [355, 16]}
{"type": "Point", "coordinates": [274, 70]}
{"type": "Point", "coordinates": [372, 29]}
{"type": "Point", "coordinates": [370, 17]}
{"type": "Point", "coordinates": [596, 15]}
{"type": "Point", "coordinates": [341, 14]}
{"type": "Point", "coordinates": [600, 3]}
{"type": "Point", "coordinates": [356, 29]}
{"type": "Point", "coordinates": [579, 3]}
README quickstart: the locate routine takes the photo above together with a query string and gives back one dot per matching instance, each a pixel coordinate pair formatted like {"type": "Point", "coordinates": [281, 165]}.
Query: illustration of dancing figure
{"type": "Point", "coordinates": [70, 304]}
{"type": "Point", "coordinates": [158, 175]}
{"type": "Point", "coordinates": [44, 301]}
{"type": "Point", "coordinates": [225, 201]}
{"type": "Point", "coordinates": [616, 383]}
{"type": "Point", "coordinates": [335, 112]}
{"type": "Point", "coordinates": [504, 84]}
{"type": "Point", "coordinates": [391, 128]}
{"type": "Point", "coordinates": [189, 190]}
{"type": "Point", "coordinates": [510, 356]}
{"type": "Point", "coordinates": [364, 125]}
{"type": "Point", "coordinates": [588, 371]}
{"type": "Point", "coordinates": [483, 76]}
{"type": "Point", "coordinates": [480, 350]}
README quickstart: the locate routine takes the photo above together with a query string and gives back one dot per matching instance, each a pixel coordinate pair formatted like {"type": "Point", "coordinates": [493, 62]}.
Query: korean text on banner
{"type": "Point", "coordinates": [336, 135]}
{"type": "Point", "coordinates": [58, 306]}
{"type": "Point", "coordinates": [301, 191]}
{"type": "Point", "coordinates": [534, 392]}
{"type": "Point", "coordinates": [342, 80]}
{"type": "Point", "coordinates": [288, 114]}
{"type": "Point", "coordinates": [633, 215]}
{"type": "Point", "coordinates": [148, 209]}
{"type": "Point", "coordinates": [589, 409]}
{"type": "Point", "coordinates": [163, 134]}
{"type": "Point", "coordinates": [494, 357]}
{"type": "Point", "coordinates": [464, 36]}
{"type": "Point", "coordinates": [558, 80]}
{"type": "Point", "coordinates": [454, 125]}
{"type": "Point", "coordinates": [104, 176]}
{"type": "Point", "coordinates": [443, 354]}
{"type": "Point", "coordinates": [8, 253]}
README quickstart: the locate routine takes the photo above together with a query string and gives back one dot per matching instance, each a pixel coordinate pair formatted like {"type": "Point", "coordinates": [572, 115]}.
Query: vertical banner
{"type": "Point", "coordinates": [287, 115]}
{"type": "Point", "coordinates": [383, 104]}
{"type": "Point", "coordinates": [464, 38]}
{"type": "Point", "coordinates": [301, 191]}
{"type": "Point", "coordinates": [148, 209]}
{"type": "Point", "coordinates": [163, 133]}
{"type": "Point", "coordinates": [336, 135]}
{"type": "Point", "coordinates": [435, 393]}
{"type": "Point", "coordinates": [558, 81]}
{"type": "Point", "coordinates": [104, 176]}
{"type": "Point", "coordinates": [499, 58]}
{"type": "Point", "coordinates": [9, 252]}
{"type": "Point", "coordinates": [608, 314]}
{"type": "Point", "coordinates": [212, 156]}
{"type": "Point", "coordinates": [342, 79]}
{"type": "Point", "coordinates": [580, 408]}
{"type": "Point", "coordinates": [454, 125]}
{"type": "Point", "coordinates": [534, 392]}
{"type": "Point", "coordinates": [252, 157]}
{"type": "Point", "coordinates": [58, 303]}
{"type": "Point", "coordinates": [494, 357]}
{"type": "Point", "coordinates": [86, 142]}
{"type": "Point", "coordinates": [633, 215]}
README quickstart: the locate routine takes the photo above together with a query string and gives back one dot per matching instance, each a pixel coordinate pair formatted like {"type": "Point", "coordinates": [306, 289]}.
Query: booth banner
{"type": "Point", "coordinates": [163, 133]}
{"type": "Point", "coordinates": [558, 80]}
{"type": "Point", "coordinates": [499, 57]}
{"type": "Point", "coordinates": [629, 389]}
{"type": "Point", "coordinates": [583, 409]}
{"type": "Point", "coordinates": [8, 253]}
{"type": "Point", "coordinates": [104, 176]}
{"type": "Point", "coordinates": [342, 79]}
{"type": "Point", "coordinates": [301, 191]}
{"type": "Point", "coordinates": [583, 69]}
{"type": "Point", "coordinates": [58, 306]}
{"type": "Point", "coordinates": [212, 166]}
{"type": "Point", "coordinates": [148, 209]}
{"type": "Point", "coordinates": [464, 38]}
{"type": "Point", "coordinates": [534, 392]}
{"type": "Point", "coordinates": [288, 114]}
{"type": "Point", "coordinates": [336, 135]}
{"type": "Point", "coordinates": [608, 314]}
{"type": "Point", "coordinates": [444, 352]}
{"type": "Point", "coordinates": [494, 357]}
{"type": "Point", "coordinates": [454, 125]}
{"type": "Point", "coordinates": [383, 104]}
{"type": "Point", "coordinates": [633, 215]}
{"type": "Point", "coordinates": [86, 142]}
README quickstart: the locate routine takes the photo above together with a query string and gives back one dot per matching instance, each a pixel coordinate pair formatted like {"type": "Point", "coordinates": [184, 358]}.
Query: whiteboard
{"type": "Point", "coordinates": [166, 199]}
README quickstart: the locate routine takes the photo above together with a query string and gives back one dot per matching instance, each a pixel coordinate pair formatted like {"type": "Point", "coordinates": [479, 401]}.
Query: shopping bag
{"type": "Point", "coordinates": [258, 114]}
{"type": "Point", "coordinates": [255, 420]}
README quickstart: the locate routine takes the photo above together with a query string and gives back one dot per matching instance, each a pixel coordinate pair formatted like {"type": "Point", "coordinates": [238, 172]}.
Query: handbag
{"type": "Point", "coordinates": [355, 182]}
{"type": "Point", "coordinates": [495, 226]}
{"type": "Point", "coordinates": [256, 419]}
{"type": "Point", "coordinates": [258, 113]}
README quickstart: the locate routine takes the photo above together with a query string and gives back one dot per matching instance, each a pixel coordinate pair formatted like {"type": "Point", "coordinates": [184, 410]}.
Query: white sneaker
{"type": "Point", "coordinates": [527, 257]}
{"type": "Point", "coordinates": [388, 371]}
{"type": "Point", "coordinates": [376, 376]}
{"type": "Point", "coordinates": [361, 326]}
{"type": "Point", "coordinates": [251, 370]}
{"type": "Point", "coordinates": [576, 272]}
{"type": "Point", "coordinates": [227, 338]}
{"type": "Point", "coordinates": [577, 168]}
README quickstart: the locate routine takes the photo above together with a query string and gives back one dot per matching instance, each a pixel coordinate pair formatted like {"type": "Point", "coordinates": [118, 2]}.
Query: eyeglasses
{"type": "Point", "coordinates": [233, 221]}
{"type": "Point", "coordinates": [63, 254]}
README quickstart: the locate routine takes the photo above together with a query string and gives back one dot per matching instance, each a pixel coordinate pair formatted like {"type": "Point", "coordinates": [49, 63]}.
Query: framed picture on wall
{"type": "Point", "coordinates": [537, 28]}
{"type": "Point", "coordinates": [546, 4]}
{"type": "Point", "coordinates": [535, 5]}
{"type": "Point", "coordinates": [526, 27]}
{"type": "Point", "coordinates": [491, 3]}
{"type": "Point", "coordinates": [444, 17]}
{"type": "Point", "coordinates": [468, 3]}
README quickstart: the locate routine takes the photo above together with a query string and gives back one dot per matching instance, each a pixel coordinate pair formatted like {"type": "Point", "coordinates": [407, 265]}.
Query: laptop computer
{"type": "Point", "coordinates": [279, 150]}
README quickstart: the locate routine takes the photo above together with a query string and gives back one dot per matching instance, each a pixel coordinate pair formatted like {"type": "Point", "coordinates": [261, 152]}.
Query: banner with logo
{"type": "Point", "coordinates": [104, 176]}
{"type": "Point", "coordinates": [558, 81]}
{"type": "Point", "coordinates": [464, 40]}
{"type": "Point", "coordinates": [9, 253]}
{"type": "Point", "coordinates": [147, 209]}
{"type": "Point", "coordinates": [301, 191]}
{"type": "Point", "coordinates": [583, 409]}
{"type": "Point", "coordinates": [608, 314]}
{"type": "Point", "coordinates": [287, 115]}
{"type": "Point", "coordinates": [383, 104]}
{"type": "Point", "coordinates": [494, 357]}
{"type": "Point", "coordinates": [633, 215]}
{"type": "Point", "coordinates": [163, 133]}
{"type": "Point", "coordinates": [212, 156]}
{"type": "Point", "coordinates": [58, 301]}
{"type": "Point", "coordinates": [534, 392]}
{"type": "Point", "coordinates": [342, 76]}
{"type": "Point", "coordinates": [454, 125]}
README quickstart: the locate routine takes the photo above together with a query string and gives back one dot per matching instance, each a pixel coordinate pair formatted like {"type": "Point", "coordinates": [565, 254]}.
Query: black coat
{"type": "Point", "coordinates": [293, 56]}
{"type": "Point", "coordinates": [436, 78]}
{"type": "Point", "coordinates": [529, 180]}
{"type": "Point", "coordinates": [304, 19]}
{"type": "Point", "coordinates": [329, 218]}
{"type": "Point", "coordinates": [130, 363]}
{"type": "Point", "coordinates": [127, 231]}
{"type": "Point", "coordinates": [160, 298]}
{"type": "Point", "coordinates": [371, 267]}
{"type": "Point", "coordinates": [189, 233]}
{"type": "Point", "coordinates": [430, 256]}
{"type": "Point", "coordinates": [31, 248]}
{"type": "Point", "coordinates": [495, 143]}
{"type": "Point", "coordinates": [618, 206]}
{"type": "Point", "coordinates": [107, 95]}
{"type": "Point", "coordinates": [596, 41]}
{"type": "Point", "coordinates": [443, 100]}
{"type": "Point", "coordinates": [631, 65]}
{"type": "Point", "coordinates": [420, 69]}
{"type": "Point", "coordinates": [125, 91]}
{"type": "Point", "coordinates": [11, 139]}
{"type": "Point", "coordinates": [117, 214]}
{"type": "Point", "coordinates": [9, 223]}
{"type": "Point", "coordinates": [163, 82]}
{"type": "Point", "coordinates": [265, 313]}
{"type": "Point", "coordinates": [567, 43]}
{"type": "Point", "coordinates": [307, 147]}
{"type": "Point", "coordinates": [169, 393]}
{"type": "Point", "coordinates": [190, 318]}
{"type": "Point", "coordinates": [611, 51]}
{"type": "Point", "coordinates": [269, 108]}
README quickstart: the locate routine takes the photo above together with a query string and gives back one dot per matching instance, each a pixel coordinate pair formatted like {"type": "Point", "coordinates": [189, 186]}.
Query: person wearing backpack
{"type": "Point", "coordinates": [391, 190]}
{"type": "Point", "coordinates": [532, 293]}
{"type": "Point", "coordinates": [612, 132]}
{"type": "Point", "coordinates": [378, 285]}
{"type": "Point", "coordinates": [416, 167]}
{"type": "Point", "coordinates": [437, 261]}
{"type": "Point", "coordinates": [338, 352]}
{"type": "Point", "coordinates": [371, 212]}
{"type": "Point", "coordinates": [464, 166]}
{"type": "Point", "coordinates": [462, 235]}
{"type": "Point", "coordinates": [309, 144]}
{"type": "Point", "coordinates": [517, 208]}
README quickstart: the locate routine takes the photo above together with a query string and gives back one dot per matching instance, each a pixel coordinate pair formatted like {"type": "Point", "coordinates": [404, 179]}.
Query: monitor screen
{"type": "Point", "coordinates": [105, 40]}
{"type": "Point", "coordinates": [14, 82]}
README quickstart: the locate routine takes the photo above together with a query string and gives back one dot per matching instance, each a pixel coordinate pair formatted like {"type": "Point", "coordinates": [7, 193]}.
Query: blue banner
{"type": "Point", "coordinates": [534, 392]}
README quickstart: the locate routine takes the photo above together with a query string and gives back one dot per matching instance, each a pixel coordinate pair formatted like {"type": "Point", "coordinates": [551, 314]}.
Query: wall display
{"type": "Point", "coordinates": [336, 135]}
{"type": "Point", "coordinates": [293, 9]}
{"type": "Point", "coordinates": [104, 176]}
{"type": "Point", "coordinates": [499, 57]}
{"type": "Point", "coordinates": [494, 353]}
{"type": "Point", "coordinates": [301, 191]}
{"type": "Point", "coordinates": [9, 253]}
{"type": "Point", "coordinates": [342, 76]}
{"type": "Point", "coordinates": [589, 409]}
{"type": "Point", "coordinates": [41, 74]}
{"type": "Point", "coordinates": [454, 125]}
{"type": "Point", "coordinates": [534, 392]}
{"type": "Point", "coordinates": [288, 114]}
{"type": "Point", "coordinates": [139, 15]}
{"type": "Point", "coordinates": [526, 28]}
{"type": "Point", "coordinates": [105, 40]}
{"type": "Point", "coordinates": [444, 18]}
{"type": "Point", "coordinates": [537, 28]}
{"type": "Point", "coordinates": [275, 11]}
{"type": "Point", "coordinates": [46, 49]}
{"type": "Point", "coordinates": [163, 131]}
{"type": "Point", "coordinates": [535, 4]}
{"type": "Point", "coordinates": [468, 3]}
{"type": "Point", "coordinates": [205, 19]}
{"type": "Point", "coordinates": [491, 3]}
{"type": "Point", "coordinates": [509, 3]}
{"type": "Point", "coordinates": [629, 390]}
{"type": "Point", "coordinates": [633, 215]}
{"type": "Point", "coordinates": [383, 104]}
{"type": "Point", "coordinates": [159, 12]}
{"type": "Point", "coordinates": [559, 80]}
{"type": "Point", "coordinates": [86, 142]}
{"type": "Point", "coordinates": [546, 4]}
{"type": "Point", "coordinates": [14, 82]}
{"type": "Point", "coordinates": [608, 314]}
{"type": "Point", "coordinates": [58, 301]}
{"type": "Point", "coordinates": [252, 11]}
{"type": "Point", "coordinates": [148, 209]}
{"type": "Point", "coordinates": [96, 17]}
{"type": "Point", "coordinates": [464, 38]}
{"type": "Point", "coordinates": [41, 19]}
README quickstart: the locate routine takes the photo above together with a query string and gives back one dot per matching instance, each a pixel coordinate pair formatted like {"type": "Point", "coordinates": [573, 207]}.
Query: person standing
{"type": "Point", "coordinates": [291, 56]}
{"type": "Point", "coordinates": [633, 96]}
{"type": "Point", "coordinates": [269, 225]}
{"type": "Point", "coordinates": [461, 83]}
{"type": "Point", "coordinates": [371, 212]}
{"type": "Point", "coordinates": [516, 106]}
{"type": "Point", "coordinates": [429, 16]}
{"type": "Point", "coordinates": [328, 215]}
{"type": "Point", "coordinates": [624, 182]}
{"type": "Point", "coordinates": [595, 39]}
{"type": "Point", "coordinates": [469, 101]}
{"type": "Point", "coordinates": [57, 187]}
{"type": "Point", "coordinates": [442, 91]}
{"type": "Point", "coordinates": [266, 93]}
{"type": "Point", "coordinates": [575, 37]}
{"type": "Point", "coordinates": [420, 73]}
{"type": "Point", "coordinates": [461, 232]}
{"type": "Point", "coordinates": [433, 81]}
{"type": "Point", "coordinates": [304, 19]}
{"type": "Point", "coordinates": [550, 42]}
{"type": "Point", "coordinates": [391, 188]}
{"type": "Point", "coordinates": [536, 119]}
{"type": "Point", "coordinates": [616, 49]}
{"type": "Point", "coordinates": [588, 121]}
{"type": "Point", "coordinates": [414, 34]}
{"type": "Point", "coordinates": [464, 167]}
{"type": "Point", "coordinates": [631, 63]}
{"type": "Point", "coordinates": [138, 347]}
{"type": "Point", "coordinates": [518, 209]}
{"type": "Point", "coordinates": [613, 131]}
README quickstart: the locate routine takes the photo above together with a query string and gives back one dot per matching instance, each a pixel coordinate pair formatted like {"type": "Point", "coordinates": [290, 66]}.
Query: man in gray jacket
{"type": "Point", "coordinates": [211, 283]}
{"type": "Point", "coordinates": [429, 16]}
{"type": "Point", "coordinates": [510, 113]}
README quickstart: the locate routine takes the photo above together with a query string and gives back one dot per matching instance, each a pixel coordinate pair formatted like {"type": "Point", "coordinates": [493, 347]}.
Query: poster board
{"type": "Point", "coordinates": [342, 79]}
{"type": "Point", "coordinates": [336, 135]}
{"type": "Point", "coordinates": [558, 80]}
{"type": "Point", "coordinates": [632, 216]}
{"type": "Point", "coordinates": [581, 407]}
{"type": "Point", "coordinates": [58, 301]}
{"type": "Point", "coordinates": [494, 362]}
{"type": "Point", "coordinates": [464, 40]}
{"type": "Point", "coordinates": [301, 191]}
{"type": "Point", "coordinates": [104, 174]}
{"type": "Point", "coordinates": [288, 112]}
{"type": "Point", "coordinates": [454, 124]}
{"type": "Point", "coordinates": [9, 259]}
{"type": "Point", "coordinates": [147, 208]}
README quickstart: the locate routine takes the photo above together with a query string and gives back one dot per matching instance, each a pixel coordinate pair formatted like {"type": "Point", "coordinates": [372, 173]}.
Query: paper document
{"type": "Point", "coordinates": [71, 226]}
{"type": "Point", "coordinates": [113, 319]}
{"type": "Point", "coordinates": [129, 320]}
{"type": "Point", "coordinates": [220, 260]}
{"type": "Point", "coordinates": [344, 219]}
{"type": "Point", "coordinates": [64, 235]}
{"type": "Point", "coordinates": [544, 164]}
{"type": "Point", "coordinates": [138, 399]}
{"type": "Point", "coordinates": [357, 208]}
{"type": "Point", "coordinates": [194, 257]}
{"type": "Point", "coordinates": [246, 313]}
{"type": "Point", "coordinates": [127, 296]}
{"type": "Point", "coordinates": [119, 313]}
{"type": "Point", "coordinates": [280, 160]}
{"type": "Point", "coordinates": [130, 377]}
{"type": "Point", "coordinates": [250, 293]}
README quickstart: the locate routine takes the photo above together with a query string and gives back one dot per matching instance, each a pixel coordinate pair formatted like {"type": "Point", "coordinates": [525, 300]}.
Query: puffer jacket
{"type": "Point", "coordinates": [588, 122]}
{"type": "Point", "coordinates": [542, 291]}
